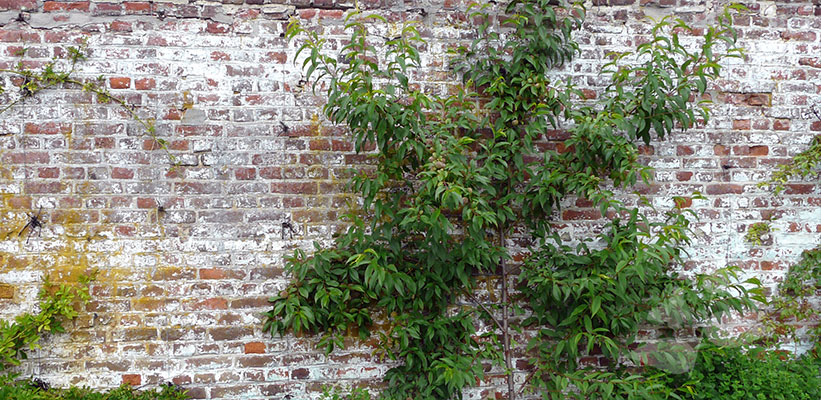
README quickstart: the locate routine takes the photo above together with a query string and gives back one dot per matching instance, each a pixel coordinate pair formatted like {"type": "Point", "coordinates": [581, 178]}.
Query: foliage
{"type": "Point", "coordinates": [51, 76]}
{"type": "Point", "coordinates": [457, 175]}
{"type": "Point", "coordinates": [29, 390]}
{"type": "Point", "coordinates": [585, 299]}
{"type": "Point", "coordinates": [57, 304]}
{"type": "Point", "coordinates": [791, 305]}
{"type": "Point", "coordinates": [738, 373]}
{"type": "Point", "coordinates": [355, 394]}
{"type": "Point", "coordinates": [756, 231]}
{"type": "Point", "coordinates": [802, 165]}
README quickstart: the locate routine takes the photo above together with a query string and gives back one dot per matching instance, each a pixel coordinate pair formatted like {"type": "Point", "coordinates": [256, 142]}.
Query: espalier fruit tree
{"type": "Point", "coordinates": [458, 174]}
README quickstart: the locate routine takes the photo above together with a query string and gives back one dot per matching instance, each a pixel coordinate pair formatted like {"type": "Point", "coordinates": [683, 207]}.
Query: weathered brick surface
{"type": "Point", "coordinates": [188, 256]}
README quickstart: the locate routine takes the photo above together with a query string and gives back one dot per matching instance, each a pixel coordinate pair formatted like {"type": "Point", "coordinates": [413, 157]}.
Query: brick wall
{"type": "Point", "coordinates": [188, 256]}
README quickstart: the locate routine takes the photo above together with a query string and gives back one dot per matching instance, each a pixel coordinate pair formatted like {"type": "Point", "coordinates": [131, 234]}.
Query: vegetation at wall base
{"type": "Point", "coordinates": [34, 390]}
{"type": "Point", "coordinates": [736, 372]}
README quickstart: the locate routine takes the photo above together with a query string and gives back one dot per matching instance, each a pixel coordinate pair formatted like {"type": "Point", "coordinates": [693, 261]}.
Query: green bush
{"type": "Point", "coordinates": [36, 390]}
{"type": "Point", "coordinates": [57, 305]}
{"type": "Point", "coordinates": [737, 373]}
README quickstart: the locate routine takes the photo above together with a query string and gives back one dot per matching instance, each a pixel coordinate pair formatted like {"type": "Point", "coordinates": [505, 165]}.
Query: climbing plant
{"type": "Point", "coordinates": [61, 72]}
{"type": "Point", "coordinates": [791, 307]}
{"type": "Point", "coordinates": [457, 176]}
{"type": "Point", "coordinates": [57, 305]}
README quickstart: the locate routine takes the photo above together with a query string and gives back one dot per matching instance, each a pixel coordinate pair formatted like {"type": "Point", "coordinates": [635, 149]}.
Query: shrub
{"type": "Point", "coordinates": [738, 373]}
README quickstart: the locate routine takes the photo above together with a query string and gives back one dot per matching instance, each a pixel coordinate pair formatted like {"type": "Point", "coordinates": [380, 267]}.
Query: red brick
{"type": "Point", "coordinates": [684, 176]}
{"type": "Point", "coordinates": [145, 84]}
{"type": "Point", "coordinates": [245, 174]}
{"type": "Point", "coordinates": [799, 188]}
{"type": "Point", "coordinates": [572, 215]}
{"type": "Point", "coordinates": [104, 143]}
{"type": "Point", "coordinates": [319, 144]}
{"type": "Point", "coordinates": [145, 202]}
{"type": "Point", "coordinates": [741, 124]}
{"type": "Point", "coordinates": [121, 26]}
{"type": "Point", "coordinates": [684, 202]}
{"type": "Point", "coordinates": [48, 128]}
{"type": "Point", "coordinates": [217, 28]}
{"type": "Point", "coordinates": [278, 57]}
{"type": "Point", "coordinates": [811, 62]}
{"type": "Point", "coordinates": [761, 124]}
{"type": "Point", "coordinates": [18, 4]}
{"type": "Point", "coordinates": [781, 125]}
{"type": "Point", "coordinates": [294, 187]}
{"type": "Point", "coordinates": [230, 333]}
{"type": "Point", "coordinates": [725, 188]}
{"type": "Point", "coordinates": [50, 172]}
{"type": "Point", "coordinates": [107, 9]}
{"type": "Point", "coordinates": [132, 379]}
{"type": "Point", "coordinates": [45, 187]}
{"type": "Point", "coordinates": [212, 273]}
{"type": "Point", "coordinates": [771, 265]}
{"type": "Point", "coordinates": [220, 56]}
{"type": "Point", "coordinates": [214, 303]}
{"type": "Point", "coordinates": [721, 150]}
{"type": "Point", "coordinates": [250, 302]}
{"type": "Point", "coordinates": [119, 82]}
{"type": "Point", "coordinates": [151, 144]}
{"type": "Point", "coordinates": [66, 6]}
{"type": "Point", "coordinates": [255, 348]}
{"type": "Point", "coordinates": [798, 35]}
{"type": "Point", "coordinates": [759, 99]}
{"type": "Point", "coordinates": [751, 150]}
{"type": "Point", "coordinates": [137, 7]}
{"type": "Point", "coordinates": [300, 373]}
{"type": "Point", "coordinates": [122, 173]}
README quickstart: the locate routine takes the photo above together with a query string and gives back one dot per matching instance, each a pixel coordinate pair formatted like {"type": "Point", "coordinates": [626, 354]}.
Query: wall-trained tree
{"type": "Point", "coordinates": [457, 175]}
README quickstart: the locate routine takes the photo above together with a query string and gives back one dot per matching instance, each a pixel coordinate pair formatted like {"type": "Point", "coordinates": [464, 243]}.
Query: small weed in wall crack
{"type": "Point", "coordinates": [756, 232]}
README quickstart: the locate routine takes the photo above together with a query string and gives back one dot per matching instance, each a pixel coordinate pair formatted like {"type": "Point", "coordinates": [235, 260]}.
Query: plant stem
{"type": "Point", "coordinates": [511, 393]}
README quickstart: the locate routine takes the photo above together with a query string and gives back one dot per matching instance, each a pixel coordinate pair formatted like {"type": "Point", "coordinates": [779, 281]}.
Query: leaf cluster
{"type": "Point", "coordinates": [57, 305]}
{"type": "Point", "coordinates": [756, 231]}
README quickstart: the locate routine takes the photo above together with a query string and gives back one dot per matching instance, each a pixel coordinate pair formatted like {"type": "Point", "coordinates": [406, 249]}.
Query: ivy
{"type": "Point", "coordinates": [458, 175]}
